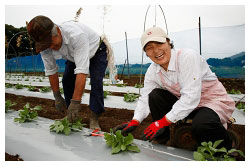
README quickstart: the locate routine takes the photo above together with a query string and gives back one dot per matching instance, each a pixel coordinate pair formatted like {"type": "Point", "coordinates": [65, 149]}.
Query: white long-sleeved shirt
{"type": "Point", "coordinates": [79, 45]}
{"type": "Point", "coordinates": [188, 71]}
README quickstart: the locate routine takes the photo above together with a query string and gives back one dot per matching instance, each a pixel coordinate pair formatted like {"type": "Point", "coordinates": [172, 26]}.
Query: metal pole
{"type": "Point", "coordinates": [200, 33]}
{"type": "Point", "coordinates": [127, 52]}
{"type": "Point", "coordinates": [164, 18]}
{"type": "Point", "coordinates": [123, 68]}
{"type": "Point", "coordinates": [155, 16]}
{"type": "Point", "coordinates": [142, 51]}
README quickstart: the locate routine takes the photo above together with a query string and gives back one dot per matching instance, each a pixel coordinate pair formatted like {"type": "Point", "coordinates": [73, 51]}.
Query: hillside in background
{"type": "Point", "coordinates": [237, 60]}
{"type": "Point", "coordinates": [230, 67]}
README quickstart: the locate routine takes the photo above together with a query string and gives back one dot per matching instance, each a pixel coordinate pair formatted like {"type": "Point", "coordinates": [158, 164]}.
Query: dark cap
{"type": "Point", "coordinates": [39, 28]}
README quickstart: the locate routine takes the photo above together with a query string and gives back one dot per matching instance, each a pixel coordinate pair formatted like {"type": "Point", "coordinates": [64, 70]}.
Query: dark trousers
{"type": "Point", "coordinates": [206, 125]}
{"type": "Point", "coordinates": [98, 65]}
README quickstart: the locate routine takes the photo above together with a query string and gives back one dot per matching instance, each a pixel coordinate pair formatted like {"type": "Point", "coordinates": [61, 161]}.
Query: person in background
{"type": "Point", "coordinates": [86, 53]}
{"type": "Point", "coordinates": [179, 84]}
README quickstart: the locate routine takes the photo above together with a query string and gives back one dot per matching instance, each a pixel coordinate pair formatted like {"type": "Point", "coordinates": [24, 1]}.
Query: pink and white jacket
{"type": "Point", "coordinates": [190, 79]}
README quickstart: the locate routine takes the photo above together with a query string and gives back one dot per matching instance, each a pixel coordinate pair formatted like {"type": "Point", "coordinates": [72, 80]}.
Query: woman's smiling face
{"type": "Point", "coordinates": [159, 53]}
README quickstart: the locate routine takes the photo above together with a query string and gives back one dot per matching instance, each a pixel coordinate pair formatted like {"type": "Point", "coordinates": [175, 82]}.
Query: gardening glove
{"type": "Point", "coordinates": [127, 127]}
{"type": "Point", "coordinates": [73, 110]}
{"type": "Point", "coordinates": [60, 103]}
{"type": "Point", "coordinates": [155, 129]}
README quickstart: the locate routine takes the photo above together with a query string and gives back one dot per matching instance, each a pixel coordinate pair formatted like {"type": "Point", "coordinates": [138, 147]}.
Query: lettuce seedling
{"type": "Point", "coordinates": [8, 104]}
{"type": "Point", "coordinates": [19, 86]}
{"type": "Point", "coordinates": [31, 88]}
{"type": "Point", "coordinates": [64, 126]}
{"type": "Point", "coordinates": [28, 114]}
{"type": "Point", "coordinates": [120, 143]}
{"type": "Point", "coordinates": [209, 152]}
{"type": "Point", "coordinates": [8, 85]}
{"type": "Point", "coordinates": [138, 85]}
{"type": "Point", "coordinates": [241, 106]}
{"type": "Point", "coordinates": [45, 89]}
{"type": "Point", "coordinates": [61, 90]}
{"type": "Point", "coordinates": [106, 93]}
{"type": "Point", "coordinates": [130, 97]}
{"type": "Point", "coordinates": [121, 85]}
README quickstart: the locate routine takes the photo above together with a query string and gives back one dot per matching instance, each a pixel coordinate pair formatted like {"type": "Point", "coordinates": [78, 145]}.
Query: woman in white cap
{"type": "Point", "coordinates": [179, 84]}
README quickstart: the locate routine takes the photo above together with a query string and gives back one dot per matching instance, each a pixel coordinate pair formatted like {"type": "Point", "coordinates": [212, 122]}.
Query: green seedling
{"type": "Point", "coordinates": [106, 93]}
{"type": "Point", "coordinates": [130, 97]}
{"type": "Point", "coordinates": [28, 114]}
{"type": "Point", "coordinates": [8, 104]}
{"type": "Point", "coordinates": [19, 86]}
{"type": "Point", "coordinates": [65, 127]}
{"type": "Point", "coordinates": [7, 85]}
{"type": "Point", "coordinates": [26, 79]}
{"type": "Point", "coordinates": [105, 84]}
{"type": "Point", "coordinates": [61, 90]}
{"type": "Point", "coordinates": [119, 143]}
{"type": "Point", "coordinates": [138, 85]}
{"type": "Point", "coordinates": [45, 89]}
{"type": "Point", "coordinates": [121, 85]}
{"type": "Point", "coordinates": [233, 91]}
{"type": "Point", "coordinates": [241, 106]}
{"type": "Point", "coordinates": [31, 88]}
{"type": "Point", "coordinates": [208, 152]}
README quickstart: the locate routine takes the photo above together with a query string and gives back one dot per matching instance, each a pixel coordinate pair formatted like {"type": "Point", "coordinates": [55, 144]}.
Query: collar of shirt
{"type": "Point", "coordinates": [65, 39]}
{"type": "Point", "coordinates": [171, 65]}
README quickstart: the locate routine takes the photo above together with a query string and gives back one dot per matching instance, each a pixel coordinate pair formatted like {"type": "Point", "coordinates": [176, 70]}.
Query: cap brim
{"type": "Point", "coordinates": [44, 44]}
{"type": "Point", "coordinates": [156, 39]}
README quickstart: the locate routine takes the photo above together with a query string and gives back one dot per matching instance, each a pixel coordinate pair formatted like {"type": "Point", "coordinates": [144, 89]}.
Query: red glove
{"type": "Point", "coordinates": [127, 127]}
{"type": "Point", "coordinates": [155, 129]}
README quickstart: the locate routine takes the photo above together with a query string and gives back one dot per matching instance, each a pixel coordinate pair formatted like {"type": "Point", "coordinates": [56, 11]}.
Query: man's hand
{"type": "Point", "coordinates": [155, 129]}
{"type": "Point", "coordinates": [60, 103]}
{"type": "Point", "coordinates": [127, 127]}
{"type": "Point", "coordinates": [73, 110]}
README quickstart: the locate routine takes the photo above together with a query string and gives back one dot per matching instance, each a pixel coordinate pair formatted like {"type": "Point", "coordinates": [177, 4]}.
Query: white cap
{"type": "Point", "coordinates": [153, 34]}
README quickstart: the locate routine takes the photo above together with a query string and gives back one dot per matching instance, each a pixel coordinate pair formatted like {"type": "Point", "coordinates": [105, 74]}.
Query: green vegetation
{"type": "Point", "coordinates": [106, 93]}
{"type": "Point", "coordinates": [8, 104]}
{"type": "Point", "coordinates": [7, 85]}
{"type": "Point", "coordinates": [105, 84]}
{"type": "Point", "coordinates": [233, 91]}
{"type": "Point", "coordinates": [31, 88]}
{"type": "Point", "coordinates": [28, 114]}
{"type": "Point", "coordinates": [130, 97]}
{"type": "Point", "coordinates": [229, 72]}
{"type": "Point", "coordinates": [61, 90]}
{"type": "Point", "coordinates": [19, 86]}
{"type": "Point", "coordinates": [241, 106]}
{"type": "Point", "coordinates": [139, 85]}
{"type": "Point", "coordinates": [121, 85]}
{"type": "Point", "coordinates": [209, 152]}
{"type": "Point", "coordinates": [120, 143]}
{"type": "Point", "coordinates": [64, 126]}
{"type": "Point", "coordinates": [45, 89]}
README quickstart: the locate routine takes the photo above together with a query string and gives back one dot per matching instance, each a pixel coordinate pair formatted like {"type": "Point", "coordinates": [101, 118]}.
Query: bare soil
{"type": "Point", "coordinates": [228, 83]}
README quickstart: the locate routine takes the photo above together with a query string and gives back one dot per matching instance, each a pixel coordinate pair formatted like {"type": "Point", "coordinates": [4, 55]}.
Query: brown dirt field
{"type": "Point", "coordinates": [228, 83]}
